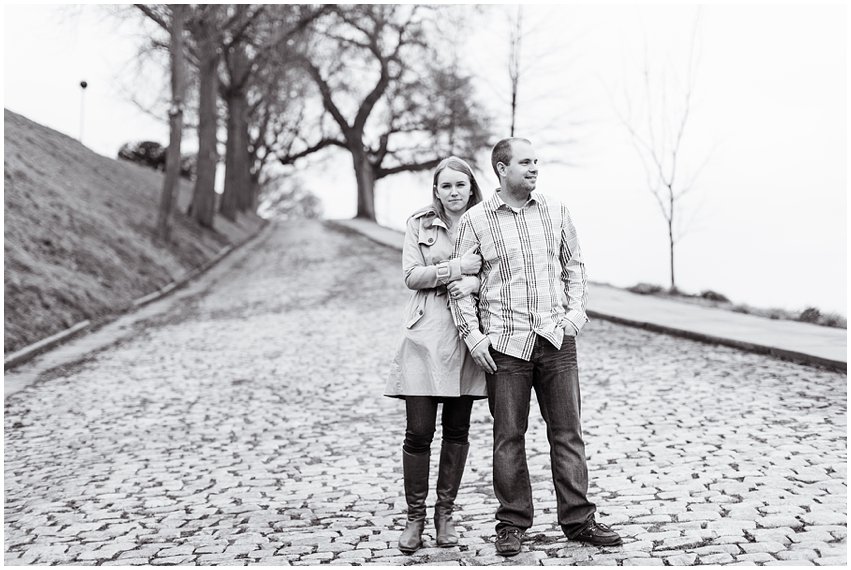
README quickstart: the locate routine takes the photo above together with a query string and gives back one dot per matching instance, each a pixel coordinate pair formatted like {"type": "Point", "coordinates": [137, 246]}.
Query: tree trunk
{"type": "Point", "coordinates": [671, 242]}
{"type": "Point", "coordinates": [254, 195]}
{"type": "Point", "coordinates": [671, 239]}
{"type": "Point", "coordinates": [365, 175]}
{"type": "Point", "coordinates": [172, 172]}
{"type": "Point", "coordinates": [204, 196]}
{"type": "Point", "coordinates": [236, 196]}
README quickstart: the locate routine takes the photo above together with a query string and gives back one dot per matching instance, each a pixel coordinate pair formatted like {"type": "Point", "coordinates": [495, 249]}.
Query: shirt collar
{"type": "Point", "coordinates": [496, 202]}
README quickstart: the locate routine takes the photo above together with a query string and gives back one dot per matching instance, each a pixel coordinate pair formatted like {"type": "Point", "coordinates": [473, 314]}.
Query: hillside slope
{"type": "Point", "coordinates": [79, 238]}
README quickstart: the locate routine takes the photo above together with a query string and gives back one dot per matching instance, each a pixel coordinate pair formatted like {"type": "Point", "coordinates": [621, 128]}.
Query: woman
{"type": "Point", "coordinates": [433, 365]}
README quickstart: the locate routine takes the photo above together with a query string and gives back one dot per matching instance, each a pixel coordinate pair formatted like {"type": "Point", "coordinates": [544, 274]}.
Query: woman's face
{"type": "Point", "coordinates": [453, 190]}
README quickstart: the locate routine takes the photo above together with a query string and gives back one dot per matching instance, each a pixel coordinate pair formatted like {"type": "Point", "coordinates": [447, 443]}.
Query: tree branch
{"type": "Point", "coordinates": [157, 18]}
{"type": "Point", "coordinates": [411, 167]}
{"type": "Point", "coordinates": [327, 98]}
{"type": "Point", "coordinates": [291, 158]}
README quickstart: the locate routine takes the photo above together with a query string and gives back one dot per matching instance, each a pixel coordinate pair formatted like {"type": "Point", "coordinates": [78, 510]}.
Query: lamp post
{"type": "Point", "coordinates": [83, 85]}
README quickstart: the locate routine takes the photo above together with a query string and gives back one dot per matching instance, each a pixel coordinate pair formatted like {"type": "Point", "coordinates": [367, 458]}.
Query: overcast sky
{"type": "Point", "coordinates": [769, 209]}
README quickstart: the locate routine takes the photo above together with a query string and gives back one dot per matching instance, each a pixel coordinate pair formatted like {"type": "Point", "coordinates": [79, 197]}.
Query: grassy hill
{"type": "Point", "coordinates": [79, 239]}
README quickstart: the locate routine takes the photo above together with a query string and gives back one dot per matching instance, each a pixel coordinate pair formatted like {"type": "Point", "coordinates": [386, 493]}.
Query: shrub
{"type": "Point", "coordinates": [834, 320]}
{"type": "Point", "coordinates": [645, 289]}
{"type": "Point", "coordinates": [778, 314]}
{"type": "Point", "coordinates": [188, 163]}
{"type": "Point", "coordinates": [713, 296]}
{"type": "Point", "coordinates": [809, 315]}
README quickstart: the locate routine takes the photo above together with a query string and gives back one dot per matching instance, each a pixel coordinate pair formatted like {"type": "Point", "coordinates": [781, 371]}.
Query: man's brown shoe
{"type": "Point", "coordinates": [597, 534]}
{"type": "Point", "coordinates": [508, 541]}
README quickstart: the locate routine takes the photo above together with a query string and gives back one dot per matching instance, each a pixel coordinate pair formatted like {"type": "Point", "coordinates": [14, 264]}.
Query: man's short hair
{"type": "Point", "coordinates": [502, 152]}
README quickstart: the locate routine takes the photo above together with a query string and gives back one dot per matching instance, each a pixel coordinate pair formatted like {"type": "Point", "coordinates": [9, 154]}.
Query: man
{"type": "Point", "coordinates": [531, 307]}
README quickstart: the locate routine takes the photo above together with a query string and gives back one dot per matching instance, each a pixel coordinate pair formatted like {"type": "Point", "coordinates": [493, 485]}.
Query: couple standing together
{"type": "Point", "coordinates": [499, 297]}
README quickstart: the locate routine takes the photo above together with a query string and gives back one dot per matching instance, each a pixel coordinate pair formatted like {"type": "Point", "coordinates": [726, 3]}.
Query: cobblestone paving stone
{"type": "Point", "coordinates": [248, 427]}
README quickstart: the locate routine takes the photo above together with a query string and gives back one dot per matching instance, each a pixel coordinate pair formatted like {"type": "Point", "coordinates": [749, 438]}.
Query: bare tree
{"type": "Point", "coordinates": [537, 96]}
{"type": "Point", "coordinates": [277, 109]}
{"type": "Point", "coordinates": [246, 45]}
{"type": "Point", "coordinates": [171, 18]}
{"type": "Point", "coordinates": [657, 131]}
{"type": "Point", "coordinates": [258, 34]}
{"type": "Point", "coordinates": [392, 125]}
{"type": "Point", "coordinates": [232, 86]}
{"type": "Point", "coordinates": [172, 171]}
{"type": "Point", "coordinates": [204, 24]}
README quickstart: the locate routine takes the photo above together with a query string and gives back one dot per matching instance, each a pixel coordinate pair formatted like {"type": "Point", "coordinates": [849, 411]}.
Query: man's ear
{"type": "Point", "coordinates": [501, 168]}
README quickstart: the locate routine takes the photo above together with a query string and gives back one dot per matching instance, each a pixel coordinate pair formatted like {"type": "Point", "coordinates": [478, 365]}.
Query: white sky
{"type": "Point", "coordinates": [771, 98]}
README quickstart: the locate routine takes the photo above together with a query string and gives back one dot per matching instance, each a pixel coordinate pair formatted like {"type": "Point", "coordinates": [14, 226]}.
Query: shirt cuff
{"type": "Point", "coordinates": [454, 270]}
{"type": "Point", "coordinates": [474, 338]}
{"type": "Point", "coordinates": [576, 319]}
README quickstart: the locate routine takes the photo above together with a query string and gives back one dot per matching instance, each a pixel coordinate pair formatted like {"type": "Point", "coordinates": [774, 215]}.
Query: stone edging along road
{"type": "Point", "coordinates": [393, 239]}
{"type": "Point", "coordinates": [28, 352]}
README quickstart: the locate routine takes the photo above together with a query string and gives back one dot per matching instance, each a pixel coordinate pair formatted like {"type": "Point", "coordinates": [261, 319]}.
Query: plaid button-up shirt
{"type": "Point", "coordinates": [532, 278]}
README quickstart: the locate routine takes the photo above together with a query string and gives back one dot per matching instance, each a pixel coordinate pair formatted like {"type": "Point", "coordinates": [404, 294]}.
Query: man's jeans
{"type": "Point", "coordinates": [555, 377]}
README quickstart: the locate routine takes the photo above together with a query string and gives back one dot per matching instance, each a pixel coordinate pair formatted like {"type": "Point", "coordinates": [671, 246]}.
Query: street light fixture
{"type": "Point", "coordinates": [83, 85]}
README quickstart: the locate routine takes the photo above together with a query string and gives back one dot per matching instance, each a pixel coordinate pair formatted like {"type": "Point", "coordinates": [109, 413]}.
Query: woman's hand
{"type": "Point", "coordinates": [471, 262]}
{"type": "Point", "coordinates": [463, 287]}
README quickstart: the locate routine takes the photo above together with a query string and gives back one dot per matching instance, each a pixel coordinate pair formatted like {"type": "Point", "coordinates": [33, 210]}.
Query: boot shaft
{"type": "Point", "coordinates": [453, 459]}
{"type": "Point", "coordinates": [415, 468]}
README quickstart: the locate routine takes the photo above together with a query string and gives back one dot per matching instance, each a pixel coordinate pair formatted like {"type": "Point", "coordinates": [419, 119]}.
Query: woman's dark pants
{"type": "Point", "coordinates": [554, 375]}
{"type": "Point", "coordinates": [421, 414]}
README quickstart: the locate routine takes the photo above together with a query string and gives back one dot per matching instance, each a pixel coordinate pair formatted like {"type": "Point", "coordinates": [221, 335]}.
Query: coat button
{"type": "Point", "coordinates": [421, 311]}
{"type": "Point", "coordinates": [430, 240]}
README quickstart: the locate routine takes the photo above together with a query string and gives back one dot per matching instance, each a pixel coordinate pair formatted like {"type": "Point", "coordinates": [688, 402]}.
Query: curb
{"type": "Point", "coordinates": [784, 354]}
{"type": "Point", "coordinates": [21, 356]}
{"type": "Point", "coordinates": [345, 228]}
{"type": "Point", "coordinates": [31, 351]}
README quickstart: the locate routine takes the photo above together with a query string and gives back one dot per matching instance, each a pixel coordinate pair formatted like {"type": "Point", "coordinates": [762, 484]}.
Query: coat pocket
{"type": "Point", "coordinates": [414, 316]}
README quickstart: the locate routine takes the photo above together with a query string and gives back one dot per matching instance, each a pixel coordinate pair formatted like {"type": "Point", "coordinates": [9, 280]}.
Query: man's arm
{"type": "Point", "coordinates": [573, 275]}
{"type": "Point", "coordinates": [464, 308]}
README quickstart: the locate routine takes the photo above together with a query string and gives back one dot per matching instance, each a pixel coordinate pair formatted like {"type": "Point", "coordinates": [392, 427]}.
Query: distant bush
{"type": "Point", "coordinates": [713, 296]}
{"type": "Point", "coordinates": [778, 314]}
{"type": "Point", "coordinates": [810, 315]}
{"type": "Point", "coordinates": [645, 289]}
{"type": "Point", "coordinates": [813, 315]}
{"type": "Point", "coordinates": [834, 320]}
{"type": "Point", "coordinates": [715, 299]}
{"type": "Point", "coordinates": [187, 165]}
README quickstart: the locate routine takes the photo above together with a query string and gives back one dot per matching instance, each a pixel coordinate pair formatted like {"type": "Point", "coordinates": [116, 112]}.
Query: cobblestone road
{"type": "Point", "coordinates": [248, 427]}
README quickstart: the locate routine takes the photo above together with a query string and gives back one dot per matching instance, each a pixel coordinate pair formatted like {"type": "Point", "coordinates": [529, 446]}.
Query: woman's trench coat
{"type": "Point", "coordinates": [432, 360]}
